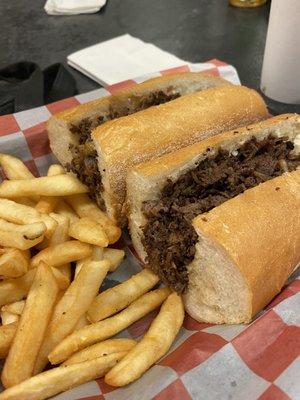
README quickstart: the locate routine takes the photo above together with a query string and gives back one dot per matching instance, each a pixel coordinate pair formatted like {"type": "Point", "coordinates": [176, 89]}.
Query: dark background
{"type": "Point", "coordinates": [194, 30]}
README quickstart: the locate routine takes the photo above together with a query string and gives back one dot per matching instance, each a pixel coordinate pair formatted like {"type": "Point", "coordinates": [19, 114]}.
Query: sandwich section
{"type": "Point", "coordinates": [101, 140]}
{"type": "Point", "coordinates": [84, 163]}
{"type": "Point", "coordinates": [169, 237]}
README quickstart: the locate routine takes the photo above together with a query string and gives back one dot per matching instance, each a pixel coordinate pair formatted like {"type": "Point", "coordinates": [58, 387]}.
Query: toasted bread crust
{"type": "Point", "coordinates": [260, 231]}
{"type": "Point", "coordinates": [60, 125]}
{"type": "Point", "coordinates": [75, 114]}
{"type": "Point", "coordinates": [257, 230]}
{"type": "Point", "coordinates": [148, 134]}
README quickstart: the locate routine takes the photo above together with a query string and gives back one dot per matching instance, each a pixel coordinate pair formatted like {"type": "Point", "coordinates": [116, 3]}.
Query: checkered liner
{"type": "Point", "coordinates": [209, 362]}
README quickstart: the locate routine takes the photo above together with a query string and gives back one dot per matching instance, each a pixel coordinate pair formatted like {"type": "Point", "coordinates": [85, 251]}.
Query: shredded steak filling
{"type": "Point", "coordinates": [84, 163]}
{"type": "Point", "coordinates": [169, 237]}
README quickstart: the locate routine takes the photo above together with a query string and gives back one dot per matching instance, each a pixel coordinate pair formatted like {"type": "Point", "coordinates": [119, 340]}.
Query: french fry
{"type": "Point", "coordinates": [14, 308]}
{"type": "Point", "coordinates": [66, 270]}
{"type": "Point", "coordinates": [42, 245]}
{"type": "Point", "coordinates": [8, 318]}
{"type": "Point", "coordinates": [71, 307]}
{"type": "Point", "coordinates": [60, 233]}
{"type": "Point", "coordinates": [21, 237]}
{"type": "Point", "coordinates": [20, 214]}
{"type": "Point", "coordinates": [13, 263]}
{"type": "Point", "coordinates": [60, 379]}
{"type": "Point", "coordinates": [14, 168]}
{"type": "Point", "coordinates": [85, 207]}
{"type": "Point", "coordinates": [97, 254]}
{"type": "Point", "coordinates": [83, 321]}
{"type": "Point", "coordinates": [12, 290]}
{"type": "Point", "coordinates": [31, 328]}
{"type": "Point", "coordinates": [120, 296]}
{"type": "Point", "coordinates": [59, 185]}
{"type": "Point", "coordinates": [26, 201]}
{"type": "Point", "coordinates": [79, 265]}
{"type": "Point", "coordinates": [115, 256]}
{"type": "Point", "coordinates": [152, 347]}
{"type": "Point", "coordinates": [101, 349]}
{"type": "Point", "coordinates": [56, 169]}
{"type": "Point", "coordinates": [64, 209]}
{"type": "Point", "coordinates": [62, 253]}
{"type": "Point", "coordinates": [105, 329]}
{"type": "Point", "coordinates": [47, 204]}
{"type": "Point", "coordinates": [7, 333]}
{"type": "Point", "coordinates": [88, 231]}
{"type": "Point", "coordinates": [62, 280]}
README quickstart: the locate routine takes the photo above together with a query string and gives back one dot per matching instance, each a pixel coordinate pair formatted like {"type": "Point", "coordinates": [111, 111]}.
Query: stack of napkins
{"type": "Point", "coordinates": [72, 7]}
{"type": "Point", "coordinates": [121, 58]}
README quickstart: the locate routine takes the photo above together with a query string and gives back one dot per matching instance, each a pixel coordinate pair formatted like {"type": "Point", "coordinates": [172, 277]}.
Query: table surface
{"type": "Point", "coordinates": [194, 30]}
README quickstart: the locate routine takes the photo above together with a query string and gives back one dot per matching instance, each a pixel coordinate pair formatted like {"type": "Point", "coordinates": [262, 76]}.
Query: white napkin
{"type": "Point", "coordinates": [121, 58]}
{"type": "Point", "coordinates": [72, 7]}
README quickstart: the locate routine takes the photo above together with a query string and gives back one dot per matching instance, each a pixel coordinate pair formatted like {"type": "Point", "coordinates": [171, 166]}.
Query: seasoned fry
{"type": "Point", "coordinates": [14, 308]}
{"type": "Point", "coordinates": [12, 290]}
{"type": "Point", "coordinates": [101, 349]}
{"type": "Point", "coordinates": [8, 318]}
{"type": "Point", "coordinates": [115, 256]}
{"type": "Point", "coordinates": [14, 168]}
{"type": "Point", "coordinates": [20, 214]}
{"type": "Point", "coordinates": [64, 209]}
{"type": "Point", "coordinates": [47, 204]}
{"type": "Point", "coordinates": [59, 185]}
{"type": "Point", "coordinates": [71, 307]}
{"type": "Point", "coordinates": [62, 253]}
{"type": "Point", "coordinates": [31, 328]}
{"type": "Point", "coordinates": [7, 333]}
{"type": "Point", "coordinates": [21, 237]}
{"type": "Point", "coordinates": [152, 347]}
{"type": "Point", "coordinates": [13, 263]}
{"type": "Point", "coordinates": [85, 207]}
{"type": "Point", "coordinates": [120, 296]}
{"type": "Point", "coordinates": [88, 231]}
{"type": "Point", "coordinates": [59, 379]}
{"type": "Point", "coordinates": [107, 328]}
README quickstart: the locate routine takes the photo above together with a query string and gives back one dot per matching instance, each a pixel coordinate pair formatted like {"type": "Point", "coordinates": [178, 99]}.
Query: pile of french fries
{"type": "Point", "coordinates": [54, 256]}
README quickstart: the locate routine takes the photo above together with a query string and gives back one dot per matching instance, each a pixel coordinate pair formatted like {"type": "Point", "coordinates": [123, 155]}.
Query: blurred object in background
{"type": "Point", "coordinates": [73, 7]}
{"type": "Point", "coordinates": [247, 3]}
{"type": "Point", "coordinates": [280, 78]}
{"type": "Point", "coordinates": [24, 85]}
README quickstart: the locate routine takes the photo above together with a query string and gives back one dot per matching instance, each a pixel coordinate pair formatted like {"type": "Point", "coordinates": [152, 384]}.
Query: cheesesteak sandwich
{"type": "Point", "coordinates": [219, 220]}
{"type": "Point", "coordinates": [100, 153]}
{"type": "Point", "coordinates": [70, 130]}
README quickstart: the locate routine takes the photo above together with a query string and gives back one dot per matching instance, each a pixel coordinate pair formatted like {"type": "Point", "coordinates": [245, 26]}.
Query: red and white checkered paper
{"type": "Point", "coordinates": [210, 362]}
